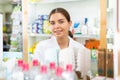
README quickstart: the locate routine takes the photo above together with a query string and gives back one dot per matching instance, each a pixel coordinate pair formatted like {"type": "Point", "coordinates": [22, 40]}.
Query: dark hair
{"type": "Point", "coordinates": [62, 11]}
{"type": "Point", "coordinates": [70, 34]}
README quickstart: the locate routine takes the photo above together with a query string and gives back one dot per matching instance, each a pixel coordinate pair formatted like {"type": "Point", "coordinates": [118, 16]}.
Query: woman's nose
{"type": "Point", "coordinates": [57, 25]}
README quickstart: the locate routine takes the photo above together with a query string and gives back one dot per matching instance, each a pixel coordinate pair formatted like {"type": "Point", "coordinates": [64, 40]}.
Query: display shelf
{"type": "Point", "coordinates": [8, 55]}
{"type": "Point", "coordinates": [52, 1]}
{"type": "Point", "coordinates": [39, 35]}
{"type": "Point", "coordinates": [86, 36]}
{"type": "Point", "coordinates": [109, 10]}
{"type": "Point", "coordinates": [109, 35]}
{"type": "Point", "coordinates": [75, 35]}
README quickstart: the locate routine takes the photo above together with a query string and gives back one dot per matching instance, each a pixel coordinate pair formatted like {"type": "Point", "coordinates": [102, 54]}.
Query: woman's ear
{"type": "Point", "coordinates": [70, 24]}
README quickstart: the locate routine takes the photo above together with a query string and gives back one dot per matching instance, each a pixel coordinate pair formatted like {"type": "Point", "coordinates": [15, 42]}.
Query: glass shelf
{"type": "Point", "coordinates": [53, 1]}
{"type": "Point", "coordinates": [75, 35]}
{"type": "Point", "coordinates": [39, 35]}
{"type": "Point", "coordinates": [9, 55]}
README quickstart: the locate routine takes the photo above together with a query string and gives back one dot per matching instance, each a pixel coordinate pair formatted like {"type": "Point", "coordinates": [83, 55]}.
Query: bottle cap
{"type": "Point", "coordinates": [35, 62]}
{"type": "Point", "coordinates": [20, 63]}
{"type": "Point", "coordinates": [52, 65]}
{"type": "Point", "coordinates": [59, 71]}
{"type": "Point", "coordinates": [69, 67]}
{"type": "Point", "coordinates": [25, 67]}
{"type": "Point", "coordinates": [43, 69]}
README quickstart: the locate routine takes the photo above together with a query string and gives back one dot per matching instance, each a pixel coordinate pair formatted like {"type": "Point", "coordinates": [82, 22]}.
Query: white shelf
{"type": "Point", "coordinates": [86, 36]}
{"type": "Point", "coordinates": [12, 55]}
{"type": "Point", "coordinates": [109, 35]}
{"type": "Point", "coordinates": [75, 35]}
{"type": "Point", "coordinates": [39, 35]}
{"type": "Point", "coordinates": [53, 1]}
{"type": "Point", "coordinates": [109, 10]}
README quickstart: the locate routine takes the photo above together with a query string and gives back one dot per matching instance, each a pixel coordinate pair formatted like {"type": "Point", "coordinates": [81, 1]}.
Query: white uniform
{"type": "Point", "coordinates": [76, 54]}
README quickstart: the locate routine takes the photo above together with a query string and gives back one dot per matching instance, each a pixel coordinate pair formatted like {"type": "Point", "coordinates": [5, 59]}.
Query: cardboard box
{"type": "Point", "coordinates": [101, 62]}
{"type": "Point", "coordinates": [109, 63]}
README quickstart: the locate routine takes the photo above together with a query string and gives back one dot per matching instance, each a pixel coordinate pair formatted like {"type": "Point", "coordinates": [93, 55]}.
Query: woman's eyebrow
{"type": "Point", "coordinates": [58, 20]}
{"type": "Point", "coordinates": [51, 21]}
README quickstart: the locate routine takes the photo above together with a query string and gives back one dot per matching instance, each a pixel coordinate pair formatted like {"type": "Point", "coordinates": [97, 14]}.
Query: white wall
{"type": "Point", "coordinates": [77, 9]}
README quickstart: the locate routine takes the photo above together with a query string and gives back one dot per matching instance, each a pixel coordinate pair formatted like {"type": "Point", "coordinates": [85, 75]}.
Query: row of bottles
{"type": "Point", "coordinates": [23, 71]}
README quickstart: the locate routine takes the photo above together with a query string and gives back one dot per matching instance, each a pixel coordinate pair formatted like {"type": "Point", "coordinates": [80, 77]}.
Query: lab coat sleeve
{"type": "Point", "coordinates": [39, 53]}
{"type": "Point", "coordinates": [83, 61]}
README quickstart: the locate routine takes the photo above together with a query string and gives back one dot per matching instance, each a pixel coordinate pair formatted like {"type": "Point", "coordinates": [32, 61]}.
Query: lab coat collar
{"type": "Point", "coordinates": [70, 42]}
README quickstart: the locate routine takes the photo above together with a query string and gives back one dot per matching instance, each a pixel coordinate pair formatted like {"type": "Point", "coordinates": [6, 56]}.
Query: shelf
{"type": "Point", "coordinates": [110, 36]}
{"type": "Point", "coordinates": [109, 10]}
{"type": "Point", "coordinates": [53, 1]}
{"type": "Point", "coordinates": [75, 35]}
{"type": "Point", "coordinates": [86, 36]}
{"type": "Point", "coordinates": [39, 35]}
{"type": "Point", "coordinates": [13, 55]}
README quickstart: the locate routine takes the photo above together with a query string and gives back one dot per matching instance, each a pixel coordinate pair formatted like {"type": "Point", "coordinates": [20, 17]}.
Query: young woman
{"type": "Point", "coordinates": [75, 53]}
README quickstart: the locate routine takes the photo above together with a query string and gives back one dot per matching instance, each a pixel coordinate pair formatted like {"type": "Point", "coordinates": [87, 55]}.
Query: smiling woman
{"type": "Point", "coordinates": [61, 45]}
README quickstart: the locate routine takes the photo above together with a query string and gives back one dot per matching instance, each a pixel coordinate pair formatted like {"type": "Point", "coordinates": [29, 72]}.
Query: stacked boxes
{"type": "Point", "coordinates": [101, 62]}
{"type": "Point", "coordinates": [105, 63]}
{"type": "Point", "coordinates": [109, 64]}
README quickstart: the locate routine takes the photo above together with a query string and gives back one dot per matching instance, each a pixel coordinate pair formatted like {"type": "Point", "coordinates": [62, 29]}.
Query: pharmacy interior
{"type": "Point", "coordinates": [24, 23]}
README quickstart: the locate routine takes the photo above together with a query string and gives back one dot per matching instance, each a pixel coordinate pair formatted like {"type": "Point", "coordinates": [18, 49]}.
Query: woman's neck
{"type": "Point", "coordinates": [63, 42]}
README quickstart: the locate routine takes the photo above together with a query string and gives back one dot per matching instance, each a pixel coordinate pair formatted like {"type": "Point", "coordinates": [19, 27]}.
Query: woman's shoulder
{"type": "Point", "coordinates": [46, 42]}
{"type": "Point", "coordinates": [77, 44]}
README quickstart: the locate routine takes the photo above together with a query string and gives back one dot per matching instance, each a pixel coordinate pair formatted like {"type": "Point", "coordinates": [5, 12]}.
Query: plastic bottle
{"type": "Point", "coordinates": [34, 70]}
{"type": "Point", "coordinates": [52, 68]}
{"type": "Point", "coordinates": [84, 29]}
{"type": "Point", "coordinates": [17, 73]}
{"type": "Point", "coordinates": [94, 62]}
{"type": "Point", "coordinates": [26, 71]}
{"type": "Point", "coordinates": [69, 74]}
{"type": "Point", "coordinates": [19, 65]}
{"type": "Point", "coordinates": [2, 72]}
{"type": "Point", "coordinates": [58, 75]}
{"type": "Point", "coordinates": [43, 75]}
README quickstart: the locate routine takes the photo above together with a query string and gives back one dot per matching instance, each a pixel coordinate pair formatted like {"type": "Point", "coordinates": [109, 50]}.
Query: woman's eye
{"type": "Point", "coordinates": [61, 22]}
{"type": "Point", "coordinates": [52, 23]}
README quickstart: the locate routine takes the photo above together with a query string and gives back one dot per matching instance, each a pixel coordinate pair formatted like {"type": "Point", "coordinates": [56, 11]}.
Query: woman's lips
{"type": "Point", "coordinates": [57, 31]}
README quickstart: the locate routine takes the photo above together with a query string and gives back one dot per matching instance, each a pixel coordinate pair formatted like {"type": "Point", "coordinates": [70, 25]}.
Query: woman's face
{"type": "Point", "coordinates": [59, 25]}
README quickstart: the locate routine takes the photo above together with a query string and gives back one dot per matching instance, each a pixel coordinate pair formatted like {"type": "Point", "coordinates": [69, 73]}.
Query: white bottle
{"type": "Point", "coordinates": [58, 75]}
{"type": "Point", "coordinates": [17, 73]}
{"type": "Point", "coordinates": [2, 72]}
{"type": "Point", "coordinates": [26, 71]}
{"type": "Point", "coordinates": [69, 74]}
{"type": "Point", "coordinates": [34, 70]}
{"type": "Point", "coordinates": [43, 75]}
{"type": "Point", "coordinates": [19, 65]}
{"type": "Point", "coordinates": [84, 28]}
{"type": "Point", "coordinates": [52, 69]}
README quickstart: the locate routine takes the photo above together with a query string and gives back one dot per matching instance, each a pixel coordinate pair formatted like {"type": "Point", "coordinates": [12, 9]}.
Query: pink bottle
{"type": "Point", "coordinates": [26, 71]}
{"type": "Point", "coordinates": [34, 69]}
{"type": "Point", "coordinates": [43, 75]}
{"type": "Point", "coordinates": [69, 74]}
{"type": "Point", "coordinates": [58, 75]}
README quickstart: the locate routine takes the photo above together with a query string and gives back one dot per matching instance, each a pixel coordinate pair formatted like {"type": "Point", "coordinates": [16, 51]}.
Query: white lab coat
{"type": "Point", "coordinates": [80, 56]}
